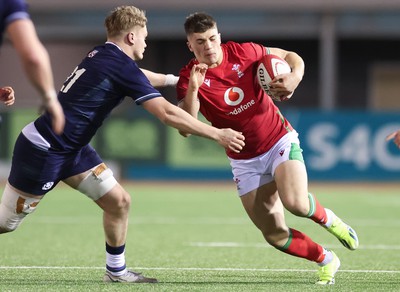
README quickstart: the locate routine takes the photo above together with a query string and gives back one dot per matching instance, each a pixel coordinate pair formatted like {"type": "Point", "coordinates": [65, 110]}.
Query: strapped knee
{"type": "Point", "coordinates": [98, 182]}
{"type": "Point", "coordinates": [14, 208]}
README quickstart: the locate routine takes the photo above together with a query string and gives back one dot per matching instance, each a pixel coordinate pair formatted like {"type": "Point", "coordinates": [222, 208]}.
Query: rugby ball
{"type": "Point", "coordinates": [267, 68]}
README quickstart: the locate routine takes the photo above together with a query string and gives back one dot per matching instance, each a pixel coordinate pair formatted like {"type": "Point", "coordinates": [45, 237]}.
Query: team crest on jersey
{"type": "Point", "coordinates": [92, 53]}
{"type": "Point", "coordinates": [47, 186]}
{"type": "Point", "coordinates": [233, 96]}
{"type": "Point", "coordinates": [207, 82]}
{"type": "Point", "coordinates": [236, 67]}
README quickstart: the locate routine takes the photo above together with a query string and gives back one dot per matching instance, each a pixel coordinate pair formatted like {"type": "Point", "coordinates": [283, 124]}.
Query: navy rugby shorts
{"type": "Point", "coordinates": [36, 171]}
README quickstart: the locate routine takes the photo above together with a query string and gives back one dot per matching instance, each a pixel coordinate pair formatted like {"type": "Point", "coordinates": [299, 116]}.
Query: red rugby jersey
{"type": "Point", "coordinates": [231, 97]}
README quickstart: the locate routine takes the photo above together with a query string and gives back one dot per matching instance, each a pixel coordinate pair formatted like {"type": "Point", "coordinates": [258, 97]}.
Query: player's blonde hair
{"type": "Point", "coordinates": [124, 18]}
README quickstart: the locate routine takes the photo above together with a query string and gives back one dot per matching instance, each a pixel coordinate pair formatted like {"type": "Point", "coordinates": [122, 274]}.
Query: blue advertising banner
{"type": "Point", "coordinates": [337, 145]}
{"type": "Point", "coordinates": [348, 145]}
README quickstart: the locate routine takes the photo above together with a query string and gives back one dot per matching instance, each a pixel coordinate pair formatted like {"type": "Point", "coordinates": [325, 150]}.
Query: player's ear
{"type": "Point", "coordinates": [130, 38]}
{"type": "Point", "coordinates": [189, 46]}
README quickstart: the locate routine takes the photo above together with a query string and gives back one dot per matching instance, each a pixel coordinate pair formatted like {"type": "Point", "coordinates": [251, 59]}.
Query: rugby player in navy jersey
{"type": "Point", "coordinates": [15, 21]}
{"type": "Point", "coordinates": [99, 83]}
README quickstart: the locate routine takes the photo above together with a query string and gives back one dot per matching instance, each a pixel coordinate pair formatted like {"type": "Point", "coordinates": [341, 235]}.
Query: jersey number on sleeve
{"type": "Point", "coordinates": [72, 78]}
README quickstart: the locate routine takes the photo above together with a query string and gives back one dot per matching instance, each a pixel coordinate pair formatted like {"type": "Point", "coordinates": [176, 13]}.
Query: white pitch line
{"type": "Point", "coordinates": [193, 269]}
{"type": "Point", "coordinates": [143, 220]}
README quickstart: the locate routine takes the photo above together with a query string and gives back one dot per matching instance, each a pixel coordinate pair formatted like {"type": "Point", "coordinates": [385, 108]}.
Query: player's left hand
{"type": "Point", "coordinates": [7, 95]}
{"type": "Point", "coordinates": [284, 84]}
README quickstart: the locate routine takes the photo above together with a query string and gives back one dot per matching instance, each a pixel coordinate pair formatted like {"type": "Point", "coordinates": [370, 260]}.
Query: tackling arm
{"type": "Point", "coordinates": [159, 79]}
{"type": "Point", "coordinates": [173, 116]}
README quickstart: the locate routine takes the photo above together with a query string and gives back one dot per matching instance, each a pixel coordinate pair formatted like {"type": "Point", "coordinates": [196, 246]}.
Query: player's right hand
{"type": "Point", "coordinates": [54, 107]}
{"type": "Point", "coordinates": [231, 139]}
{"type": "Point", "coordinates": [197, 75]}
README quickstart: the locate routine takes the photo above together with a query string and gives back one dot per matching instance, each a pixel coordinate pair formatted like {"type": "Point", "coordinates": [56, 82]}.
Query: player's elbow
{"type": "Point", "coordinates": [184, 134]}
{"type": "Point", "coordinates": [164, 117]}
{"type": "Point", "coordinates": [35, 58]}
{"type": "Point", "coordinates": [170, 118]}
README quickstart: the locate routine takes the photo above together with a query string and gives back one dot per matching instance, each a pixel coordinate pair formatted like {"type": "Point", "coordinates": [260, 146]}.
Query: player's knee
{"type": "Point", "coordinates": [124, 202]}
{"type": "Point", "coordinates": [14, 208]}
{"type": "Point", "coordinates": [98, 182]}
{"type": "Point", "coordinates": [120, 203]}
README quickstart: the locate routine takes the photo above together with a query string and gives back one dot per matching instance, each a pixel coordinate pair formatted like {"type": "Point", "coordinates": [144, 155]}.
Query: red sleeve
{"type": "Point", "coordinates": [254, 51]}
{"type": "Point", "coordinates": [248, 51]}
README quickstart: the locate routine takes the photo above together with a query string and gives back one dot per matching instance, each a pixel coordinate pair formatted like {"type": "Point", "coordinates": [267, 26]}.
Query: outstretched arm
{"type": "Point", "coordinates": [36, 62]}
{"type": "Point", "coordinates": [159, 79]}
{"type": "Point", "coordinates": [173, 116]}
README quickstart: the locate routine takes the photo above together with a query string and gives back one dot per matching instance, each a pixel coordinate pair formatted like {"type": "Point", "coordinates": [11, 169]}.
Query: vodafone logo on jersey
{"type": "Point", "coordinates": [233, 96]}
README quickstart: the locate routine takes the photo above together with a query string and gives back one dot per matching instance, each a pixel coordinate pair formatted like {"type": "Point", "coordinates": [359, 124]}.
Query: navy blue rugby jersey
{"type": "Point", "coordinates": [96, 86]}
{"type": "Point", "coordinates": [11, 10]}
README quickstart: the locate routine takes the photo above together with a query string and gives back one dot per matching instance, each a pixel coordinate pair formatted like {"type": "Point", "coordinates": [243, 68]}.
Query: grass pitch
{"type": "Point", "coordinates": [197, 237]}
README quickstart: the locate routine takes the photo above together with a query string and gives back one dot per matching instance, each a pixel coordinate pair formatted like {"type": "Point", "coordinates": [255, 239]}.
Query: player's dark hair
{"type": "Point", "coordinates": [199, 22]}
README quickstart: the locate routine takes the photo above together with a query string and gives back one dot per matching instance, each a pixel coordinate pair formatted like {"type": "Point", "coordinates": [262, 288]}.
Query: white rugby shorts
{"type": "Point", "coordinates": [250, 174]}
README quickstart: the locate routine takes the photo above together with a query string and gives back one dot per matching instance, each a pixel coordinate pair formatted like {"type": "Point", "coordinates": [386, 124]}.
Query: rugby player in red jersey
{"type": "Point", "coordinates": [270, 174]}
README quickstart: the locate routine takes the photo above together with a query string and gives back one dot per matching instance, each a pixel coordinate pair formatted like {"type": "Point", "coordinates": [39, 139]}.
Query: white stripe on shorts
{"type": "Point", "coordinates": [32, 134]}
